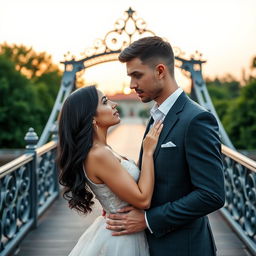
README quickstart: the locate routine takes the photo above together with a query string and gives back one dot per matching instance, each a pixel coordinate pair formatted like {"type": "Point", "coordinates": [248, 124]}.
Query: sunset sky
{"type": "Point", "coordinates": [224, 31]}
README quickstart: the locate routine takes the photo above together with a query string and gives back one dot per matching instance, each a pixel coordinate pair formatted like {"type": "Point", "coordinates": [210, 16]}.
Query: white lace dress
{"type": "Point", "coordinates": [97, 240]}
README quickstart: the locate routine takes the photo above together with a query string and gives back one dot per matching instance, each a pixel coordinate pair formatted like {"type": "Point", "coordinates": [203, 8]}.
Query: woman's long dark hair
{"type": "Point", "coordinates": [75, 141]}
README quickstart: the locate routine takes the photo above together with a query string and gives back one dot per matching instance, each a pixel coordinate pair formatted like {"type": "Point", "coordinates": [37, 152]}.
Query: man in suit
{"type": "Point", "coordinates": [189, 181]}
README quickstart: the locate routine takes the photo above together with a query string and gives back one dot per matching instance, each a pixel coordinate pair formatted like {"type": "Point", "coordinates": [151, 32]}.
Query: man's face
{"type": "Point", "coordinates": [143, 80]}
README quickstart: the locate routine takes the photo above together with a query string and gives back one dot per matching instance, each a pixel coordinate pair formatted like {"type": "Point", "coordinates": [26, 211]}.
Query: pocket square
{"type": "Point", "coordinates": [169, 144]}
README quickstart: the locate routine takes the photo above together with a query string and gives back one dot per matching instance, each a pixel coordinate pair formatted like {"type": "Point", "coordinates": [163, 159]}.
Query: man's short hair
{"type": "Point", "coordinates": [151, 51]}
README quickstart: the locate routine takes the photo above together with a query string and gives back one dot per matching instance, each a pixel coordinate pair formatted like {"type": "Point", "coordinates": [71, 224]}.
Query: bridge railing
{"type": "Point", "coordinates": [240, 185]}
{"type": "Point", "coordinates": [28, 185]}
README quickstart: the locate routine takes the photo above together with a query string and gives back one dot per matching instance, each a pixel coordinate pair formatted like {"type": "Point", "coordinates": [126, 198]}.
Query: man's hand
{"type": "Point", "coordinates": [128, 220]}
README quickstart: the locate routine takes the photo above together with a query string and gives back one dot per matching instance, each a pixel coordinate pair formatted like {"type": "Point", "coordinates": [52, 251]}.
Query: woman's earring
{"type": "Point", "coordinates": [95, 124]}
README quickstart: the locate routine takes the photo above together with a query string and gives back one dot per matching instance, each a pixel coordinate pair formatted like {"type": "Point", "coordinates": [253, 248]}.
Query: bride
{"type": "Point", "coordinates": [88, 166]}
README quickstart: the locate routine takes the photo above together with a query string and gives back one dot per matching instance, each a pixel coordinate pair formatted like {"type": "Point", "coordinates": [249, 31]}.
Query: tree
{"type": "Point", "coordinates": [29, 83]}
{"type": "Point", "coordinates": [17, 105]}
{"type": "Point", "coordinates": [236, 107]}
{"type": "Point", "coordinates": [223, 93]}
{"type": "Point", "coordinates": [30, 63]}
{"type": "Point", "coordinates": [240, 120]}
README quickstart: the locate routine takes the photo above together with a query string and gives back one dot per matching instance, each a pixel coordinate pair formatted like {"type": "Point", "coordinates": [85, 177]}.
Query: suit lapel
{"type": "Point", "coordinates": [151, 120]}
{"type": "Point", "coordinates": [171, 120]}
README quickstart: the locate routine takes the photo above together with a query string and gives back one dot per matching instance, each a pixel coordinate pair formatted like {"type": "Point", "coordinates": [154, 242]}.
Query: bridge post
{"type": "Point", "coordinates": [200, 93]}
{"type": "Point", "coordinates": [55, 131]}
{"type": "Point", "coordinates": [55, 137]}
{"type": "Point", "coordinates": [68, 84]}
{"type": "Point", "coordinates": [204, 99]}
{"type": "Point", "coordinates": [31, 140]}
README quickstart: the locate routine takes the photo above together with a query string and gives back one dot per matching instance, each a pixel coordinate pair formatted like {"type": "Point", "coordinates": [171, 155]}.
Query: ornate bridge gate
{"type": "Point", "coordinates": [127, 30]}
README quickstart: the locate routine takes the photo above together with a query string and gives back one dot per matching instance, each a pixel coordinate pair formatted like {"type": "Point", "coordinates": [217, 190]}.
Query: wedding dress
{"type": "Point", "coordinates": [97, 240]}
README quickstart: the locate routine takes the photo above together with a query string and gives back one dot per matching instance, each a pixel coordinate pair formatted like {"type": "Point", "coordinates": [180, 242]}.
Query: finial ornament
{"type": "Point", "coordinates": [31, 139]}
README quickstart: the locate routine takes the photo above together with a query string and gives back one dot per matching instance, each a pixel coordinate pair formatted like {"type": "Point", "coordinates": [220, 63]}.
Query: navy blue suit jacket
{"type": "Point", "coordinates": [189, 182]}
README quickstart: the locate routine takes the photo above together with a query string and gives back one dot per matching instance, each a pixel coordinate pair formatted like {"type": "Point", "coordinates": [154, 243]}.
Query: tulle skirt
{"type": "Point", "coordinates": [98, 241]}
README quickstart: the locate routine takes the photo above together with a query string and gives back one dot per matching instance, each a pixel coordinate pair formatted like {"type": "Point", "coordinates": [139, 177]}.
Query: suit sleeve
{"type": "Point", "coordinates": [203, 156]}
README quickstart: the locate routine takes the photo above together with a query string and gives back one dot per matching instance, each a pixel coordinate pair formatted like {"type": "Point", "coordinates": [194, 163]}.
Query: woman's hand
{"type": "Point", "coordinates": [151, 139]}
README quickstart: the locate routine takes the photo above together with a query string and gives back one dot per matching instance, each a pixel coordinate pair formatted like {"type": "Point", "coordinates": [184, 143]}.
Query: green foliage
{"type": "Point", "coordinates": [29, 84]}
{"type": "Point", "coordinates": [236, 107]}
{"type": "Point", "coordinates": [27, 61]}
{"type": "Point", "coordinates": [240, 120]}
{"type": "Point", "coordinates": [16, 96]}
{"type": "Point", "coordinates": [223, 92]}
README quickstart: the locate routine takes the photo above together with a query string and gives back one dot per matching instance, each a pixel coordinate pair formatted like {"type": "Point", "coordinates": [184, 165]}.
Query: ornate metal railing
{"type": "Point", "coordinates": [240, 185]}
{"type": "Point", "coordinates": [28, 185]}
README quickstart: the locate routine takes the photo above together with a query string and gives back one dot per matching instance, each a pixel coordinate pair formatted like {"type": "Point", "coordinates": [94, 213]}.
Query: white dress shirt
{"type": "Point", "coordinates": [159, 113]}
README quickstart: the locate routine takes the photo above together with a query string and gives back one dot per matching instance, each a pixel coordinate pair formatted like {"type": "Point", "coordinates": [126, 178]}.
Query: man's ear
{"type": "Point", "coordinates": [160, 71]}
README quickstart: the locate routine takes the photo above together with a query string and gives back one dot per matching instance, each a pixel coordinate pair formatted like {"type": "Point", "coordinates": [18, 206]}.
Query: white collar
{"type": "Point", "coordinates": [165, 107]}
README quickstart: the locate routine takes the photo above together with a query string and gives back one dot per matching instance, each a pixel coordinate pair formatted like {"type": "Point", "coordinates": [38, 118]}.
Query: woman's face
{"type": "Point", "coordinates": [106, 113]}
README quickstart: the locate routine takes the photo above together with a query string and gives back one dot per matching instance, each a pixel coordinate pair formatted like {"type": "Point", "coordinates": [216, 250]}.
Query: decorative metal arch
{"type": "Point", "coordinates": [126, 30]}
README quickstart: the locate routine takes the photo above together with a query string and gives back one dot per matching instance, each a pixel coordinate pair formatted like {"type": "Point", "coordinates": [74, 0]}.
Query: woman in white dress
{"type": "Point", "coordinates": [89, 166]}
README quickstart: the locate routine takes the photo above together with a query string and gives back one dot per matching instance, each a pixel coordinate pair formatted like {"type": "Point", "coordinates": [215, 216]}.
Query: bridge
{"type": "Point", "coordinates": [34, 220]}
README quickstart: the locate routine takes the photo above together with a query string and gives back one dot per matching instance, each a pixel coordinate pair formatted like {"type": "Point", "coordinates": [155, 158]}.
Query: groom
{"type": "Point", "coordinates": [189, 181]}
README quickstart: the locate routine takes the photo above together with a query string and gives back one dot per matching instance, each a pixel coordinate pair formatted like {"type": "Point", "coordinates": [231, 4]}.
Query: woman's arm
{"type": "Point", "coordinates": [102, 164]}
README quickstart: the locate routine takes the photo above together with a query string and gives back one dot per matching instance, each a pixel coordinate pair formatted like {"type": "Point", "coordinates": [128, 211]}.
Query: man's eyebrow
{"type": "Point", "coordinates": [133, 73]}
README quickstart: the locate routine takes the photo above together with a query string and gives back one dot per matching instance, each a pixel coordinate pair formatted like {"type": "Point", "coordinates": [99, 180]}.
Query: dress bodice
{"type": "Point", "coordinates": [108, 200]}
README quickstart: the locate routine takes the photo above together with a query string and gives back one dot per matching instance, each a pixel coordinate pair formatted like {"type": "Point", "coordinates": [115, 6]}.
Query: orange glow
{"type": "Point", "coordinates": [223, 31]}
{"type": "Point", "coordinates": [127, 90]}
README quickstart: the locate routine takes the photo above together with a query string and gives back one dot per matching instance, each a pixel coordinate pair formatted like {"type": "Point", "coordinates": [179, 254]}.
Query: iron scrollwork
{"type": "Point", "coordinates": [240, 185]}
{"type": "Point", "coordinates": [46, 178]}
{"type": "Point", "coordinates": [15, 206]}
{"type": "Point", "coordinates": [20, 205]}
{"type": "Point", "coordinates": [126, 30]}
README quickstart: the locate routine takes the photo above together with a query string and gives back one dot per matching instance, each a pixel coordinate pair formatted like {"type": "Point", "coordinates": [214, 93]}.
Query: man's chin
{"type": "Point", "coordinates": [145, 100]}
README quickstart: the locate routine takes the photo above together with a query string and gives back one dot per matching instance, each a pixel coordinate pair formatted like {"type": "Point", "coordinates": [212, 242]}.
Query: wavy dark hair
{"type": "Point", "coordinates": [75, 141]}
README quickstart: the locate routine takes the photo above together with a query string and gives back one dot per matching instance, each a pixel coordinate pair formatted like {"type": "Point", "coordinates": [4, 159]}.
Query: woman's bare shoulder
{"type": "Point", "coordinates": [100, 154]}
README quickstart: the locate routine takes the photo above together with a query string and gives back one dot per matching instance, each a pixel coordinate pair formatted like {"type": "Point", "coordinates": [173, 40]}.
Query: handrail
{"type": "Point", "coordinates": [14, 164]}
{"type": "Point", "coordinates": [238, 157]}
{"type": "Point", "coordinates": [45, 148]}
{"type": "Point", "coordinates": [25, 158]}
